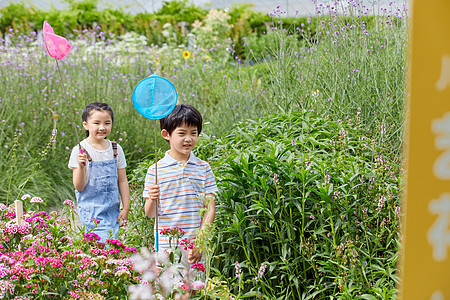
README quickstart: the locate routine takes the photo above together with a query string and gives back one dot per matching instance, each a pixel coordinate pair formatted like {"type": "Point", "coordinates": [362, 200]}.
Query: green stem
{"type": "Point", "coordinates": [332, 225]}
{"type": "Point", "coordinates": [12, 169]}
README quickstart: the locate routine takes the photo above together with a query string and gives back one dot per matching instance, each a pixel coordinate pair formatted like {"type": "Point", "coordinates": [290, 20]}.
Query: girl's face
{"type": "Point", "coordinates": [99, 124]}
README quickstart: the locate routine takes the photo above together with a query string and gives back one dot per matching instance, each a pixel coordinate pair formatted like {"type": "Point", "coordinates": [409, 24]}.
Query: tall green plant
{"type": "Point", "coordinates": [350, 61]}
{"type": "Point", "coordinates": [316, 201]}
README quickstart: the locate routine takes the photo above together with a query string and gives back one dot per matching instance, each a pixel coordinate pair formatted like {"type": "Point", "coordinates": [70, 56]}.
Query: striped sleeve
{"type": "Point", "coordinates": [210, 183]}
{"type": "Point", "coordinates": [149, 180]}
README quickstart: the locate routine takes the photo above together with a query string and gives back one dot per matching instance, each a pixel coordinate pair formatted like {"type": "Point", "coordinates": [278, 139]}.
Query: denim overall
{"type": "Point", "coordinates": [100, 198]}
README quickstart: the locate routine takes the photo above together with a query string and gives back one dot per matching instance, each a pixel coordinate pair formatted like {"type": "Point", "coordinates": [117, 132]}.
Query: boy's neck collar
{"type": "Point", "coordinates": [171, 160]}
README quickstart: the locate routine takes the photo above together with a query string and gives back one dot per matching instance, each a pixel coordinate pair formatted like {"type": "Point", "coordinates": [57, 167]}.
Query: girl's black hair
{"type": "Point", "coordinates": [96, 106]}
{"type": "Point", "coordinates": [182, 114]}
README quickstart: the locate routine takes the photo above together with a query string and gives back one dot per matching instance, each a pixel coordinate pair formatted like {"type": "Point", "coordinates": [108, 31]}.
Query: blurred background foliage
{"type": "Point", "coordinates": [181, 14]}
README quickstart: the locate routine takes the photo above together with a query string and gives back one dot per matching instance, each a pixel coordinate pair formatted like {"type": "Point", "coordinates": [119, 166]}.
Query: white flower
{"type": "Point", "coordinates": [149, 276]}
{"type": "Point", "coordinates": [25, 197]}
{"type": "Point", "coordinates": [140, 263]}
{"type": "Point", "coordinates": [36, 200]}
{"type": "Point", "coordinates": [166, 281]}
{"type": "Point", "coordinates": [121, 270]}
{"type": "Point", "coordinates": [197, 285]}
{"type": "Point", "coordinates": [140, 292]}
{"type": "Point", "coordinates": [201, 196]}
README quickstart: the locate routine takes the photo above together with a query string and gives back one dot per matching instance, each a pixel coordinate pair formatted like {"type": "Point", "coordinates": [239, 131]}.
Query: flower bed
{"type": "Point", "coordinates": [47, 256]}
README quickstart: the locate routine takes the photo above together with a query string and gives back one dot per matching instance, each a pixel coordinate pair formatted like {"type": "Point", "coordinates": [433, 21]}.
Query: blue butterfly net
{"type": "Point", "coordinates": [154, 97]}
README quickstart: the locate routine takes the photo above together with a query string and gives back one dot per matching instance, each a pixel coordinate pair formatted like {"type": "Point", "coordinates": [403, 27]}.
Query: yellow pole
{"type": "Point", "coordinates": [425, 257]}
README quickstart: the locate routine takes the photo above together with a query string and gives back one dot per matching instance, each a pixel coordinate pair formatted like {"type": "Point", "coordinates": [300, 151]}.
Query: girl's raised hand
{"type": "Point", "coordinates": [82, 159]}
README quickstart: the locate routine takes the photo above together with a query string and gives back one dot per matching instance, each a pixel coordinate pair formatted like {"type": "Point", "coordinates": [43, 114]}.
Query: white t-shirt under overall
{"type": "Point", "coordinates": [97, 155]}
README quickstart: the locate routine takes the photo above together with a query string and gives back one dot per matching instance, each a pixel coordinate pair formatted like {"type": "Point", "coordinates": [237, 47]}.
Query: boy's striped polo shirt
{"type": "Point", "coordinates": [180, 186]}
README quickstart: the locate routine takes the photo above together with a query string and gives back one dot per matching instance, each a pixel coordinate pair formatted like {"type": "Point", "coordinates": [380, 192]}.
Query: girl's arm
{"type": "Point", "coordinates": [79, 174]}
{"type": "Point", "coordinates": [124, 191]}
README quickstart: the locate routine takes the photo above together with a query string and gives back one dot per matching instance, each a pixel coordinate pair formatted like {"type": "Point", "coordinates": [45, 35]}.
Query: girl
{"type": "Point", "coordinates": [99, 174]}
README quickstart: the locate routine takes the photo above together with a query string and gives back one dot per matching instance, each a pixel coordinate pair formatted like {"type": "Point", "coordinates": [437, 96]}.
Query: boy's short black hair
{"type": "Point", "coordinates": [182, 114]}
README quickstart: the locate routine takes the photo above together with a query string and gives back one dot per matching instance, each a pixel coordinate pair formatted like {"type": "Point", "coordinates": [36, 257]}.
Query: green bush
{"type": "Point", "coordinates": [316, 200]}
{"type": "Point", "coordinates": [20, 17]}
{"type": "Point", "coordinates": [181, 10]}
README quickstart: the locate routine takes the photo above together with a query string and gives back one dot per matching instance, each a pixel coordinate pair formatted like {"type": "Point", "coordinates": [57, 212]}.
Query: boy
{"type": "Point", "coordinates": [182, 177]}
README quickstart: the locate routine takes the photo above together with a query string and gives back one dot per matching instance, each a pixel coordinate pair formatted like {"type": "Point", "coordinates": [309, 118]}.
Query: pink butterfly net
{"type": "Point", "coordinates": [57, 46]}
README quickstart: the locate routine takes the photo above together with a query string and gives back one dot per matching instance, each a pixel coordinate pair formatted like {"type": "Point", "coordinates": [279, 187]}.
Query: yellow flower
{"type": "Point", "coordinates": [186, 54]}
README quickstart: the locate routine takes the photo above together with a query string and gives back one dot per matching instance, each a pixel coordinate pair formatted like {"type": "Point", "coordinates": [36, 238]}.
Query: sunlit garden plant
{"type": "Point", "coordinates": [308, 207]}
{"type": "Point", "coordinates": [49, 256]}
{"type": "Point", "coordinates": [166, 274]}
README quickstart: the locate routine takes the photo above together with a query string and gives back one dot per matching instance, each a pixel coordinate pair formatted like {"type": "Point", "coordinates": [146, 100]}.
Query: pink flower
{"type": "Point", "coordinates": [238, 268]}
{"type": "Point", "coordinates": [69, 203]}
{"type": "Point", "coordinates": [74, 295]}
{"type": "Point", "coordinates": [262, 269]}
{"type": "Point", "coordinates": [184, 287]}
{"type": "Point", "coordinates": [57, 46]}
{"type": "Point", "coordinates": [197, 285]}
{"type": "Point", "coordinates": [186, 243]}
{"type": "Point", "coordinates": [91, 236]}
{"type": "Point", "coordinates": [198, 266]}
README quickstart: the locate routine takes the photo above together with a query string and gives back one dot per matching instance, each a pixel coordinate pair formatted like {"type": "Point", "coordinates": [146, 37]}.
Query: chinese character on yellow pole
{"type": "Point", "coordinates": [425, 260]}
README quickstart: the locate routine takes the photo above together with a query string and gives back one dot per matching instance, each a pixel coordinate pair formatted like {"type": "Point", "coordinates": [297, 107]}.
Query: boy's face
{"type": "Point", "coordinates": [182, 140]}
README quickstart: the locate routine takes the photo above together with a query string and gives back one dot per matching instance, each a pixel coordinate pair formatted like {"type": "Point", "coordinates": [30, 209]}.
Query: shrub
{"type": "Point", "coordinates": [181, 10]}
{"type": "Point", "coordinates": [312, 202]}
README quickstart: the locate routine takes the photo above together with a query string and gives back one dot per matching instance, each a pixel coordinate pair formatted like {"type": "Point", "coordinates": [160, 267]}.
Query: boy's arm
{"type": "Point", "coordinates": [210, 213]}
{"type": "Point", "coordinates": [150, 210]}
{"type": "Point", "coordinates": [124, 191]}
{"type": "Point", "coordinates": [150, 202]}
{"type": "Point", "coordinates": [208, 218]}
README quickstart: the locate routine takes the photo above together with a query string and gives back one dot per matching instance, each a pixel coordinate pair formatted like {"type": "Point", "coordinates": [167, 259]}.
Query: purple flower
{"type": "Point", "coordinates": [261, 271]}
{"type": "Point", "coordinates": [238, 268]}
{"type": "Point", "coordinates": [381, 201]}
